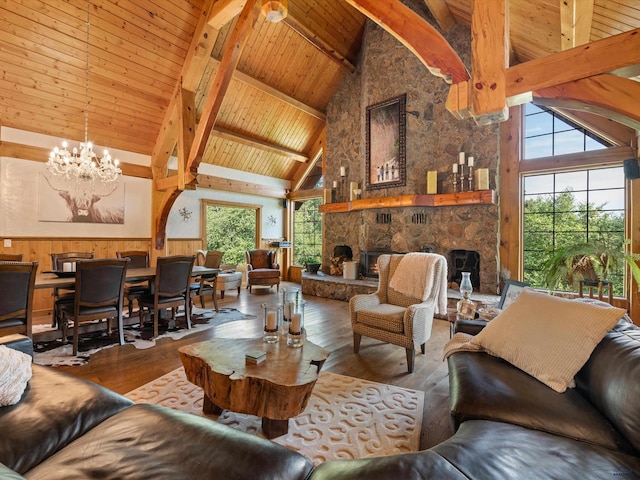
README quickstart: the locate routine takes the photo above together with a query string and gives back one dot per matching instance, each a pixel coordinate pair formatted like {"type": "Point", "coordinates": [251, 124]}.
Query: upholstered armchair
{"type": "Point", "coordinates": [401, 310]}
{"type": "Point", "coordinates": [262, 268]}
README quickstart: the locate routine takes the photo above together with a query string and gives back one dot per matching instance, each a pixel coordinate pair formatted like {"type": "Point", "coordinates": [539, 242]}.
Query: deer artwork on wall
{"type": "Point", "coordinates": [85, 201]}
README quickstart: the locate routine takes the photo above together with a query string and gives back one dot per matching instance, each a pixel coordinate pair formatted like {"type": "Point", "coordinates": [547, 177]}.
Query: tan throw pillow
{"type": "Point", "coordinates": [548, 337]}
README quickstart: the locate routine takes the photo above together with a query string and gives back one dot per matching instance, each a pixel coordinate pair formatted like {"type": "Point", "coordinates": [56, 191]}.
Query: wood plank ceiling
{"type": "Point", "coordinates": [273, 112]}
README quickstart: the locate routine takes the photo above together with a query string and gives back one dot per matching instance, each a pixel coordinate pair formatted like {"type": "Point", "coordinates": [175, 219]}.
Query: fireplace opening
{"type": "Point", "coordinates": [464, 261]}
{"type": "Point", "coordinates": [369, 263]}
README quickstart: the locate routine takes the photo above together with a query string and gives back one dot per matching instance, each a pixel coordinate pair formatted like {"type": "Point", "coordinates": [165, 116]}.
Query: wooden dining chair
{"type": "Point", "coordinates": [134, 290]}
{"type": "Point", "coordinates": [17, 281]}
{"type": "Point", "coordinates": [11, 257]}
{"type": "Point", "coordinates": [64, 296]}
{"type": "Point", "coordinates": [170, 289]}
{"type": "Point", "coordinates": [98, 295]}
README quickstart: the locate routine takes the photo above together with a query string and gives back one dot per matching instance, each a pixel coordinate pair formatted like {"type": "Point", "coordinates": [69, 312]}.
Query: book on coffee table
{"type": "Point", "coordinates": [255, 356]}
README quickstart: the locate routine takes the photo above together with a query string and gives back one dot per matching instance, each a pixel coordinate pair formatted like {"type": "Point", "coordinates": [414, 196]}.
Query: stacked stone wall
{"type": "Point", "coordinates": [433, 140]}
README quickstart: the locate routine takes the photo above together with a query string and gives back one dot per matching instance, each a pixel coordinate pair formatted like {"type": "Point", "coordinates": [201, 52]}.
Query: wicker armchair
{"type": "Point", "coordinates": [393, 317]}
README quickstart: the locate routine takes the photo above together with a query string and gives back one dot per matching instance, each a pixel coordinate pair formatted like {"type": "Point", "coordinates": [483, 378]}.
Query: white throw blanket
{"type": "Point", "coordinates": [416, 277]}
{"type": "Point", "coordinates": [14, 375]}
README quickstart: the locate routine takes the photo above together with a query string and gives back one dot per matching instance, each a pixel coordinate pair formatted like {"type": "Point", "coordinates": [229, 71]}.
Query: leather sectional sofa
{"type": "Point", "coordinates": [509, 426]}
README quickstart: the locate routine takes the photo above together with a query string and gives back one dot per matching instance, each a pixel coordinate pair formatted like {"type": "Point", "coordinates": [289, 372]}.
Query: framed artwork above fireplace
{"type": "Point", "coordinates": [386, 144]}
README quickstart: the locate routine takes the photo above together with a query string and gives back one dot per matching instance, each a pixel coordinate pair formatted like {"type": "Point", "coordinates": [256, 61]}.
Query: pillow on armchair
{"type": "Point", "coordinates": [548, 337]}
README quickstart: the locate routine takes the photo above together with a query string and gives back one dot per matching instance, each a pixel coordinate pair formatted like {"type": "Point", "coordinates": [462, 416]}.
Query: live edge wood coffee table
{"type": "Point", "coordinates": [276, 389]}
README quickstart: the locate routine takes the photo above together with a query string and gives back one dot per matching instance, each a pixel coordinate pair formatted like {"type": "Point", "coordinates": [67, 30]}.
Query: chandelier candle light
{"type": "Point", "coordinates": [83, 165]}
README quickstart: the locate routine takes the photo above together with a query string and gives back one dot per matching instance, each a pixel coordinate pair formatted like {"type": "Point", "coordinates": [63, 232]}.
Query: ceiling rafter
{"type": "Point", "coordinates": [306, 33]}
{"type": "Point", "coordinates": [441, 13]}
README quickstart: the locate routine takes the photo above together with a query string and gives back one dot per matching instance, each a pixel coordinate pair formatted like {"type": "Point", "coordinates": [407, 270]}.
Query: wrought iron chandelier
{"type": "Point", "coordinates": [83, 164]}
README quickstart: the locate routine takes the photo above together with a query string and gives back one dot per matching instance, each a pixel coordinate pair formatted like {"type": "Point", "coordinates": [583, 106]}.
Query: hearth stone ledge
{"type": "Point", "coordinates": [339, 288]}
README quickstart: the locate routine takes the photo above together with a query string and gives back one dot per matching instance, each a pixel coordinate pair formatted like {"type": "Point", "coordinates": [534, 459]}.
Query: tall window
{"type": "Point", "coordinates": [569, 209]}
{"type": "Point", "coordinates": [307, 231]}
{"type": "Point", "coordinates": [231, 230]}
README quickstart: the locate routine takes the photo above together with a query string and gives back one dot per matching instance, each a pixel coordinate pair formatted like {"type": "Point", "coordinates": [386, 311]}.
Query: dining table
{"type": "Point", "coordinates": [67, 280]}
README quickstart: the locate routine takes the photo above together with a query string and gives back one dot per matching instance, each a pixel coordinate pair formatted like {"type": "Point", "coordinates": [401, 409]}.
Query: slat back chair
{"type": "Point", "coordinates": [98, 295]}
{"type": "Point", "coordinates": [17, 283]}
{"type": "Point", "coordinates": [170, 289]}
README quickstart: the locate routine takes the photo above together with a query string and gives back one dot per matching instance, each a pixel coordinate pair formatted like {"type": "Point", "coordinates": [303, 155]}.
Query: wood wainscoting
{"type": "Point", "coordinates": [38, 249]}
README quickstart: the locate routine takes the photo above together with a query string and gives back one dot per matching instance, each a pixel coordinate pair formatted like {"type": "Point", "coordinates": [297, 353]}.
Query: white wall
{"type": "Point", "coordinates": [192, 200]}
{"type": "Point", "coordinates": [19, 198]}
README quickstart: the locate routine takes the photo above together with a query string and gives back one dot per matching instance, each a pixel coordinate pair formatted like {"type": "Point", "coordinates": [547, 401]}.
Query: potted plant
{"type": "Point", "coordinates": [589, 262]}
{"type": "Point", "coordinates": [312, 264]}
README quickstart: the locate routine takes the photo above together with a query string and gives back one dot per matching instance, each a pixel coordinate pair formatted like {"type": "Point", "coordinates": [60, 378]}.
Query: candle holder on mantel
{"type": "Point", "coordinates": [455, 182]}
{"type": "Point", "coordinates": [272, 318]}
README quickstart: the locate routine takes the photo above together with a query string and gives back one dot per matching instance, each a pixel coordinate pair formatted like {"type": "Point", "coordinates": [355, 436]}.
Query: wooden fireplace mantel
{"type": "Point", "coordinates": [481, 197]}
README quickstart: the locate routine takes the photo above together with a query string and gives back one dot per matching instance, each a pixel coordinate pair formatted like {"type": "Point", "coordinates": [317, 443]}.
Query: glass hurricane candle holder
{"type": "Point", "coordinates": [272, 317]}
{"type": "Point", "coordinates": [291, 296]}
{"type": "Point", "coordinates": [295, 337]}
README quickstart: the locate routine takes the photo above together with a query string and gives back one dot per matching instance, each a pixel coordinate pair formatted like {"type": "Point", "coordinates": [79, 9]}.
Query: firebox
{"type": "Point", "coordinates": [464, 261]}
{"type": "Point", "coordinates": [369, 263]}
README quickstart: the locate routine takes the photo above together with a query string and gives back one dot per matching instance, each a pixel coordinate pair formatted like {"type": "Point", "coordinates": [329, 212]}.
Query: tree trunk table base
{"type": "Point", "coordinates": [276, 389]}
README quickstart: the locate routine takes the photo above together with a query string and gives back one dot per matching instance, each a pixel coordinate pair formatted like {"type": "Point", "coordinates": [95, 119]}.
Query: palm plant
{"type": "Point", "coordinates": [583, 261]}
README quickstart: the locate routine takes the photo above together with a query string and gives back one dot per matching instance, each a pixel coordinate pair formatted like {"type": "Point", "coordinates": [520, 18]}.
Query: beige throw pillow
{"type": "Point", "coordinates": [548, 337]}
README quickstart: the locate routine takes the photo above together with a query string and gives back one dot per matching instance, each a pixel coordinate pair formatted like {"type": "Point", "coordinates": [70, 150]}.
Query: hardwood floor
{"type": "Point", "coordinates": [327, 322]}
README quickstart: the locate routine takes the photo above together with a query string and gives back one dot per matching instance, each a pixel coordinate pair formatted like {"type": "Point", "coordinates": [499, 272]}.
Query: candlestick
{"type": "Point", "coordinates": [461, 158]}
{"type": "Point", "coordinates": [455, 182]}
{"type": "Point", "coordinates": [470, 176]}
{"type": "Point", "coordinates": [343, 171]}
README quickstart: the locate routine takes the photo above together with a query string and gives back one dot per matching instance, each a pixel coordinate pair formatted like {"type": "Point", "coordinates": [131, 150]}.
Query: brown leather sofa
{"type": "Point", "coordinates": [65, 427]}
{"type": "Point", "coordinates": [510, 426]}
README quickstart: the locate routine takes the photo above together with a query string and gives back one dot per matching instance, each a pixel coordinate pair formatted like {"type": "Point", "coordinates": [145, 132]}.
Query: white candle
{"type": "Point", "coordinates": [470, 162]}
{"type": "Point", "coordinates": [296, 318]}
{"type": "Point", "coordinates": [461, 158]}
{"type": "Point", "coordinates": [66, 267]}
{"type": "Point", "coordinates": [455, 168]}
{"type": "Point", "coordinates": [335, 184]}
{"type": "Point", "coordinates": [343, 171]}
{"type": "Point", "coordinates": [271, 321]}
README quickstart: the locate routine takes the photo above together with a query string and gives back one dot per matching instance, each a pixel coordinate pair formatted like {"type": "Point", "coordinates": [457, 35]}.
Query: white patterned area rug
{"type": "Point", "coordinates": [55, 353]}
{"type": "Point", "coordinates": [345, 418]}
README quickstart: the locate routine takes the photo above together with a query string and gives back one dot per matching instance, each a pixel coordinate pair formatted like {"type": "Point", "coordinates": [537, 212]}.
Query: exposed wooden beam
{"type": "Point", "coordinates": [298, 27]}
{"type": "Point", "coordinates": [576, 17]}
{"type": "Point", "coordinates": [231, 56]}
{"type": "Point", "coordinates": [186, 131]}
{"type": "Point", "coordinates": [490, 47]}
{"type": "Point", "coordinates": [223, 11]}
{"type": "Point", "coordinates": [40, 154]}
{"type": "Point", "coordinates": [302, 172]}
{"type": "Point", "coordinates": [616, 53]}
{"type": "Point", "coordinates": [275, 93]}
{"type": "Point", "coordinates": [166, 183]}
{"type": "Point", "coordinates": [415, 33]}
{"type": "Point", "coordinates": [193, 68]}
{"type": "Point", "coordinates": [261, 144]}
{"type": "Point", "coordinates": [238, 186]}
{"type": "Point", "coordinates": [607, 95]}
{"type": "Point", "coordinates": [305, 194]}
{"type": "Point", "coordinates": [440, 11]}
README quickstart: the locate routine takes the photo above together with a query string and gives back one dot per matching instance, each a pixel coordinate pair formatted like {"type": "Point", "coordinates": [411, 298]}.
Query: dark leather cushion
{"type": "Point", "coordinates": [492, 450]}
{"type": "Point", "coordinates": [420, 465]}
{"type": "Point", "coordinates": [611, 379]}
{"type": "Point", "coordinates": [484, 387]}
{"type": "Point", "coordinates": [55, 409]}
{"type": "Point", "coordinates": [152, 442]}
